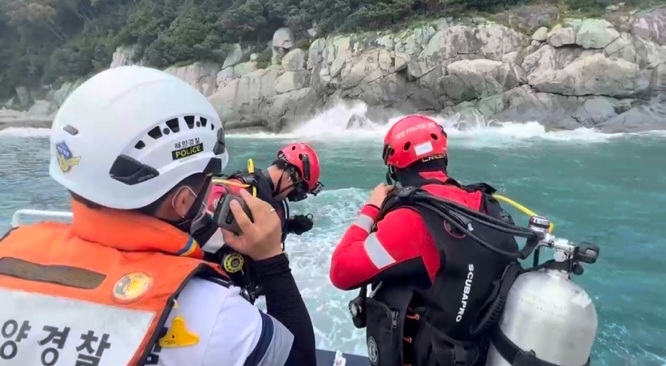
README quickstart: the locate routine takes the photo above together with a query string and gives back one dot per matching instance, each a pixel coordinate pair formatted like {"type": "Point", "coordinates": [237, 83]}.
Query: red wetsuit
{"type": "Point", "coordinates": [401, 246]}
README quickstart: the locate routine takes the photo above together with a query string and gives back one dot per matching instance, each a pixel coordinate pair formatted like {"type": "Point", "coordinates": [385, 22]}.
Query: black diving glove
{"type": "Point", "coordinates": [300, 224]}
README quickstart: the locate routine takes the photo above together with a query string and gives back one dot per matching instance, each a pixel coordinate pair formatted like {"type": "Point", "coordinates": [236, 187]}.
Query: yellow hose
{"type": "Point", "coordinates": [522, 209]}
{"type": "Point", "coordinates": [230, 183]}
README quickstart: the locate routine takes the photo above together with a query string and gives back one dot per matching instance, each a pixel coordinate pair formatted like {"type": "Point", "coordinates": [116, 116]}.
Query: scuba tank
{"type": "Point", "coordinates": [547, 319]}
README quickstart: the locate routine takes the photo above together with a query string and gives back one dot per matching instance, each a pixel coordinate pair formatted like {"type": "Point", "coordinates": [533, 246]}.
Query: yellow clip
{"type": "Point", "coordinates": [178, 335]}
{"type": "Point", "coordinates": [521, 208]}
{"type": "Point", "coordinates": [250, 169]}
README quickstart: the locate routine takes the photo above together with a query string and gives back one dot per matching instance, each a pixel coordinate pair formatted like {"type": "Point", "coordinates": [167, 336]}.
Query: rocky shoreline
{"type": "Point", "coordinates": [608, 74]}
{"type": "Point", "coordinates": [17, 119]}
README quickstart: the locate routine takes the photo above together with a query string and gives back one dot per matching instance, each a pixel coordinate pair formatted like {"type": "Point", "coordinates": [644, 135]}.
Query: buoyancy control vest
{"type": "Point", "coordinates": [447, 324]}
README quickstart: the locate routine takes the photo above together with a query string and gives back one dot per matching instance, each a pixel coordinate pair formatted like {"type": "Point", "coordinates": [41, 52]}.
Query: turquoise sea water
{"type": "Point", "coordinates": [607, 190]}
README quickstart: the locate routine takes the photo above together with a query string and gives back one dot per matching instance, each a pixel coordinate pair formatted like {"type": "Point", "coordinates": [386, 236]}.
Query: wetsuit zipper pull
{"type": "Point", "coordinates": [394, 319]}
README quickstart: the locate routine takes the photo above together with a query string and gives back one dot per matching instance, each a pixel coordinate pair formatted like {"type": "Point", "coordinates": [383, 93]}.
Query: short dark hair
{"type": "Point", "coordinates": [191, 181]}
{"type": "Point", "coordinates": [281, 164]}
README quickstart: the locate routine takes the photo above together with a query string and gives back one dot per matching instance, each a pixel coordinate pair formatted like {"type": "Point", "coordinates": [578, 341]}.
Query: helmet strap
{"type": "Point", "coordinates": [391, 175]}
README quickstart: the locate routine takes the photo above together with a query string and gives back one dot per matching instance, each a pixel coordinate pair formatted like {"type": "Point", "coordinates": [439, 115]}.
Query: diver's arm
{"type": "Point", "coordinates": [244, 335]}
{"type": "Point", "coordinates": [284, 303]}
{"type": "Point", "coordinates": [400, 248]}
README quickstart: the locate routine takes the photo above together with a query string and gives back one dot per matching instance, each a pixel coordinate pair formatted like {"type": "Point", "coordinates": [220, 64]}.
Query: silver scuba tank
{"type": "Point", "coordinates": [546, 315]}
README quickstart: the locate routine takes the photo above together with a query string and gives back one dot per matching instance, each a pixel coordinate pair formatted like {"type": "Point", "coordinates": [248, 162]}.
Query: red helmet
{"type": "Point", "coordinates": [305, 160]}
{"type": "Point", "coordinates": [412, 139]}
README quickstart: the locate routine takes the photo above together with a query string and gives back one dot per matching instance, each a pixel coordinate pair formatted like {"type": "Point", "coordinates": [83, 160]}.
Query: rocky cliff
{"type": "Point", "coordinates": [608, 74]}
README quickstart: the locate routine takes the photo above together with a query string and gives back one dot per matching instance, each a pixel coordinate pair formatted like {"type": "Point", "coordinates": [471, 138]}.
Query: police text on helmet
{"type": "Point", "coordinates": [465, 294]}
{"type": "Point", "coordinates": [420, 126]}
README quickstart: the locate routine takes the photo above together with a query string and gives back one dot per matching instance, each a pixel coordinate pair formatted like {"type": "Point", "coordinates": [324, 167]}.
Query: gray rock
{"type": "Point", "coordinates": [596, 33]}
{"type": "Point", "coordinates": [652, 26]}
{"type": "Point", "coordinates": [594, 111]}
{"type": "Point", "coordinates": [541, 35]}
{"type": "Point", "coordinates": [292, 80]}
{"type": "Point", "coordinates": [283, 41]}
{"type": "Point", "coordinates": [283, 38]}
{"type": "Point", "coordinates": [561, 36]}
{"type": "Point", "coordinates": [42, 108]}
{"type": "Point", "coordinates": [234, 56]}
{"type": "Point", "coordinates": [593, 75]}
{"type": "Point", "coordinates": [123, 56]}
{"type": "Point", "coordinates": [24, 97]}
{"type": "Point", "coordinates": [637, 119]}
{"type": "Point", "coordinates": [474, 79]}
{"type": "Point", "coordinates": [294, 60]}
{"type": "Point", "coordinates": [356, 122]}
{"type": "Point", "coordinates": [201, 75]}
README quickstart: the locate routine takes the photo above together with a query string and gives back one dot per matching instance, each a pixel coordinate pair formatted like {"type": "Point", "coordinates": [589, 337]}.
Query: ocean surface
{"type": "Point", "coordinates": [606, 189]}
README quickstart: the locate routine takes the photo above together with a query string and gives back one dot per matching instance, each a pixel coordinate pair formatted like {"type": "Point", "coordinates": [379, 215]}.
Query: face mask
{"type": "Point", "coordinates": [202, 231]}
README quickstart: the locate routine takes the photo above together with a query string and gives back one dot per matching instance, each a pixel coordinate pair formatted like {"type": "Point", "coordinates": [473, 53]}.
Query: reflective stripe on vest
{"type": "Point", "coordinates": [66, 301]}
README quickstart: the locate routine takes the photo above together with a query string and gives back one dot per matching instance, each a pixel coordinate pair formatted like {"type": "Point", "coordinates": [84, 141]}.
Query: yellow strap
{"type": "Point", "coordinates": [250, 169]}
{"type": "Point", "coordinates": [521, 208]}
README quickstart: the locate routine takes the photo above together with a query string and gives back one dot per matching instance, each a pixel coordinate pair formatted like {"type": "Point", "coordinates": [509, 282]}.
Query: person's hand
{"type": "Point", "coordinates": [379, 194]}
{"type": "Point", "coordinates": [259, 239]}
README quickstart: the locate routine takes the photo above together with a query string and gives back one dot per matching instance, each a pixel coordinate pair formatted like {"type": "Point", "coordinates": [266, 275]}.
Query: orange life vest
{"type": "Point", "coordinates": [94, 292]}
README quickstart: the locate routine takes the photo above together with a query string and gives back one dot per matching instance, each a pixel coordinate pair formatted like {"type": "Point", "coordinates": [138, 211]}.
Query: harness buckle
{"type": "Point", "coordinates": [459, 355]}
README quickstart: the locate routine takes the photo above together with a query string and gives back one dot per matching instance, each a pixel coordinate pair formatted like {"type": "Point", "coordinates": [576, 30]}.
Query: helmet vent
{"type": "Point", "coordinates": [407, 146]}
{"type": "Point", "coordinates": [173, 125]}
{"type": "Point", "coordinates": [155, 133]}
{"type": "Point", "coordinates": [190, 121]}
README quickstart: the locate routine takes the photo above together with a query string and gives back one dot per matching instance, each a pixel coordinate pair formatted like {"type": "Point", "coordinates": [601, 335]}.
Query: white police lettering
{"type": "Point", "coordinates": [13, 332]}
{"type": "Point", "coordinates": [54, 340]}
{"type": "Point", "coordinates": [420, 126]}
{"type": "Point", "coordinates": [465, 294]}
{"type": "Point", "coordinates": [60, 331]}
{"type": "Point", "coordinates": [186, 143]}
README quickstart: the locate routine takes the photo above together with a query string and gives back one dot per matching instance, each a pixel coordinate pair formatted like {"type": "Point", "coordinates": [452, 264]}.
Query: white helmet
{"type": "Point", "coordinates": [128, 135]}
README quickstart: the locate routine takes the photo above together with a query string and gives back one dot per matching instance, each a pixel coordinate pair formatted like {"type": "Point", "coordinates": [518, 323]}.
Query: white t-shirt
{"type": "Point", "coordinates": [232, 331]}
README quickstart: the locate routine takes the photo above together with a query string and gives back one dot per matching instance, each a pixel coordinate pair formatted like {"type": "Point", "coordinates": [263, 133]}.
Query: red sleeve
{"type": "Point", "coordinates": [400, 246]}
